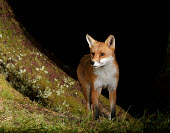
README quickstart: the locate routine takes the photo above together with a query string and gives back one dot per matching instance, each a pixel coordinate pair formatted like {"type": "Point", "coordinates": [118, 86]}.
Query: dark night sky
{"type": "Point", "coordinates": [141, 34]}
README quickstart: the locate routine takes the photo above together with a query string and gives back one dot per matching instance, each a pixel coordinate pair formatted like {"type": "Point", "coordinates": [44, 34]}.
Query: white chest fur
{"type": "Point", "coordinates": [106, 77]}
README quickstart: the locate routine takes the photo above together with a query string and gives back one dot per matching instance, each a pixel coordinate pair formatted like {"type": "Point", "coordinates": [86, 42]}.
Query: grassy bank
{"type": "Point", "coordinates": [19, 114]}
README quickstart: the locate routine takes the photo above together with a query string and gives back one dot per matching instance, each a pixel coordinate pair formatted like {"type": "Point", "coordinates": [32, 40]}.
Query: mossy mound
{"type": "Point", "coordinates": [33, 74]}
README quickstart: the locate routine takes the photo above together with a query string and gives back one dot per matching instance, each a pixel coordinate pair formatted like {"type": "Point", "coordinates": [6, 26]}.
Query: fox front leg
{"type": "Point", "coordinates": [95, 104]}
{"type": "Point", "coordinates": [112, 99]}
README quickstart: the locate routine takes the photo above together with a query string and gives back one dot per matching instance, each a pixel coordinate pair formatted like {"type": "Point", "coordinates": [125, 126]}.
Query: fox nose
{"type": "Point", "coordinates": [92, 63]}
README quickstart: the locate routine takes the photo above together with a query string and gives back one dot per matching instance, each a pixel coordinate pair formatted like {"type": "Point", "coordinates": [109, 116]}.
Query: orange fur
{"type": "Point", "coordinates": [99, 70]}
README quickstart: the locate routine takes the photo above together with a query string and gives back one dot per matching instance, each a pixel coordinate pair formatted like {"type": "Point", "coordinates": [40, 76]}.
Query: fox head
{"type": "Point", "coordinates": [102, 53]}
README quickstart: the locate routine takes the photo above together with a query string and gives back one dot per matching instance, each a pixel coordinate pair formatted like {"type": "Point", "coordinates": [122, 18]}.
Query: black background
{"type": "Point", "coordinates": [141, 33]}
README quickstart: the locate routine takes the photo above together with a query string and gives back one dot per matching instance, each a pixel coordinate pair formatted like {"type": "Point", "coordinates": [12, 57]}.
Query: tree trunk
{"type": "Point", "coordinates": [33, 74]}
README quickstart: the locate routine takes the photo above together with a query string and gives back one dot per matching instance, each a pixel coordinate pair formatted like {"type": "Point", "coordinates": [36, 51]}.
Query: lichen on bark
{"type": "Point", "coordinates": [26, 68]}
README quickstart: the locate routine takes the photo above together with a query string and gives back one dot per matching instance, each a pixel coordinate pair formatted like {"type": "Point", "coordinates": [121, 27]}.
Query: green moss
{"type": "Point", "coordinates": [5, 89]}
{"type": "Point", "coordinates": [75, 106]}
{"type": "Point", "coordinates": [104, 100]}
{"type": "Point", "coordinates": [8, 93]}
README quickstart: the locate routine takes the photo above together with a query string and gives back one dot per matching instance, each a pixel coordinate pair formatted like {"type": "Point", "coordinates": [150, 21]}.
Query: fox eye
{"type": "Point", "coordinates": [102, 54]}
{"type": "Point", "coordinates": [92, 54]}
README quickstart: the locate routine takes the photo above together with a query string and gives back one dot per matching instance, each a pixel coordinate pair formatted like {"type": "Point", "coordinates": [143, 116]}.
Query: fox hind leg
{"type": "Point", "coordinates": [87, 96]}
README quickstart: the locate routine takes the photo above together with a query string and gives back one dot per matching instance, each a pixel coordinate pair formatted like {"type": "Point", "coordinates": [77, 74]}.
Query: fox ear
{"type": "Point", "coordinates": [110, 41]}
{"type": "Point", "coordinates": [90, 40]}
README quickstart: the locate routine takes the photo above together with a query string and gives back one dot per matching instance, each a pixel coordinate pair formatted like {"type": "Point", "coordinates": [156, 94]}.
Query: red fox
{"type": "Point", "coordinates": [98, 70]}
